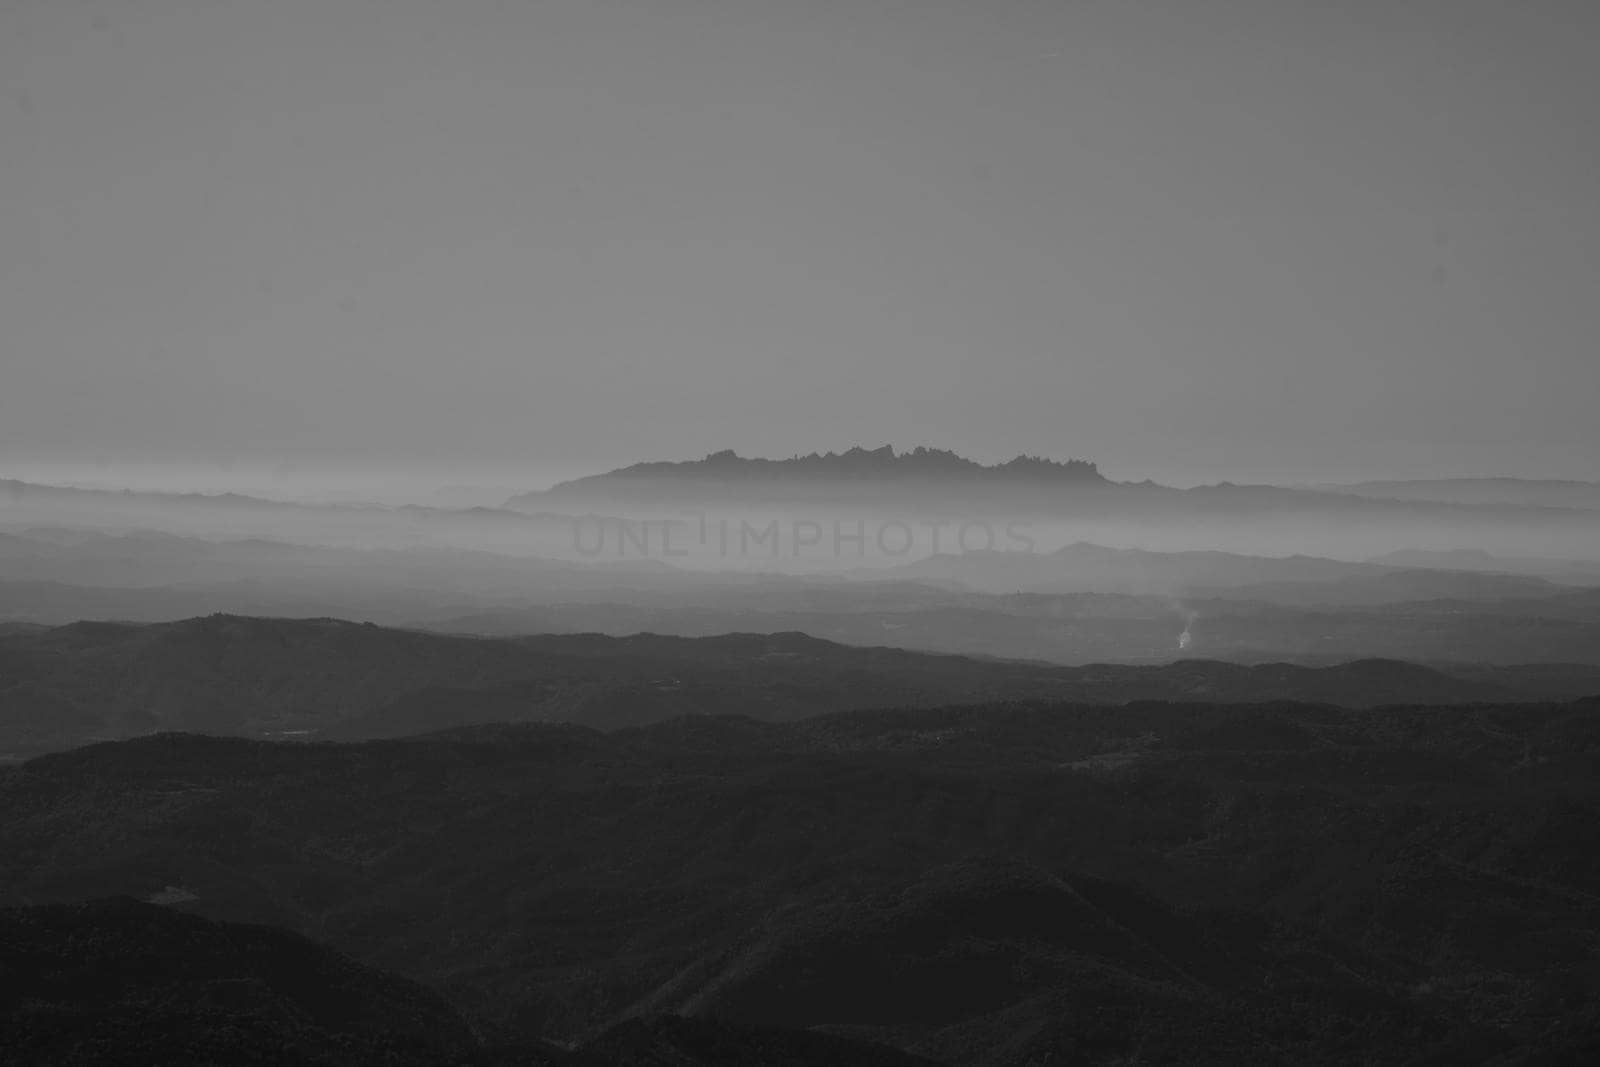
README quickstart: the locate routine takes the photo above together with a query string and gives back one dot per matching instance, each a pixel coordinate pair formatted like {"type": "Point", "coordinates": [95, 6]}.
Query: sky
{"type": "Point", "coordinates": [511, 240]}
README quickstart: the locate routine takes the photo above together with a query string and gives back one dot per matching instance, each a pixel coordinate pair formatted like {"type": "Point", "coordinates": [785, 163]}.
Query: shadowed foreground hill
{"type": "Point", "coordinates": [322, 677]}
{"type": "Point", "coordinates": [119, 981]}
{"type": "Point", "coordinates": [998, 885]}
{"type": "Point", "coordinates": [125, 982]}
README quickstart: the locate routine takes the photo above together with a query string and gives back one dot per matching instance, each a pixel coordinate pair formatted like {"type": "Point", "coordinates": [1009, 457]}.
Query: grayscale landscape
{"type": "Point", "coordinates": [709, 534]}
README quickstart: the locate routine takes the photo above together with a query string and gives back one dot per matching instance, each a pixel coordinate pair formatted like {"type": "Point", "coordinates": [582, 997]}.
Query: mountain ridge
{"type": "Point", "coordinates": [307, 678]}
{"type": "Point", "coordinates": [883, 462]}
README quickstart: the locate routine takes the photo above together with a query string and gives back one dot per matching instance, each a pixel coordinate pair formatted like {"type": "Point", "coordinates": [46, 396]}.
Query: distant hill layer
{"type": "Point", "coordinates": [1520, 492]}
{"type": "Point", "coordinates": [324, 677]}
{"type": "Point", "coordinates": [1084, 567]}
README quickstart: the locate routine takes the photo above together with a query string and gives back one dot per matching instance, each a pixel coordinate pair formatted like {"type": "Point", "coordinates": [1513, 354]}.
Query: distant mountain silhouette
{"type": "Point", "coordinates": [15, 491]}
{"type": "Point", "coordinates": [919, 466]}
{"type": "Point", "coordinates": [1519, 492]}
{"type": "Point", "coordinates": [858, 462]}
{"type": "Point", "coordinates": [928, 483]}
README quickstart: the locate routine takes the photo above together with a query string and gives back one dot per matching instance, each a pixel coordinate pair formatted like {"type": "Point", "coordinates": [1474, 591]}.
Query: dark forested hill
{"type": "Point", "coordinates": [1001, 884]}
{"type": "Point", "coordinates": [117, 981]}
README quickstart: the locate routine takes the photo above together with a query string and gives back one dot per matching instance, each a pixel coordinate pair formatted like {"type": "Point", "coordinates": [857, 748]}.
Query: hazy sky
{"type": "Point", "coordinates": [1193, 240]}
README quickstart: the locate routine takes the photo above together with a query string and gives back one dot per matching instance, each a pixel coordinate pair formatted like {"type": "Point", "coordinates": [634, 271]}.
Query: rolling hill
{"type": "Point", "coordinates": [323, 677]}
{"type": "Point", "coordinates": [992, 885]}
